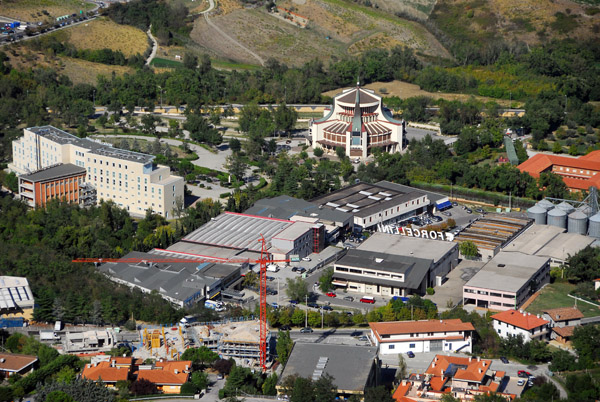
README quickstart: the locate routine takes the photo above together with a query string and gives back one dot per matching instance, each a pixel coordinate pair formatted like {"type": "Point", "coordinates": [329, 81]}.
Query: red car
{"type": "Point", "coordinates": [523, 373]}
{"type": "Point", "coordinates": [331, 294]}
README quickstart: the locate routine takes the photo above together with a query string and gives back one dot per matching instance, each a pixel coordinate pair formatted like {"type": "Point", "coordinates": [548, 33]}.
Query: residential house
{"type": "Point", "coordinates": [563, 322]}
{"type": "Point", "coordinates": [11, 364]}
{"type": "Point", "coordinates": [168, 376]}
{"type": "Point", "coordinates": [512, 322]}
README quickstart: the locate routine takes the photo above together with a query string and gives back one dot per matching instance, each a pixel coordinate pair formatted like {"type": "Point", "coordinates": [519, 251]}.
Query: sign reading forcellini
{"type": "Point", "coordinates": [421, 233]}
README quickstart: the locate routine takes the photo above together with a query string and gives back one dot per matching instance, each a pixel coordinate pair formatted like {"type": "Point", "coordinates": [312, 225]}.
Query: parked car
{"type": "Point", "coordinates": [285, 328]}
{"type": "Point", "coordinates": [447, 213]}
{"type": "Point", "coordinates": [367, 299]}
{"type": "Point", "coordinates": [523, 374]}
{"type": "Point", "coordinates": [480, 210]}
{"type": "Point", "coordinates": [301, 270]}
{"type": "Point", "coordinates": [520, 383]}
{"type": "Point", "coordinates": [275, 305]}
{"type": "Point", "coordinates": [330, 294]}
{"type": "Point", "coordinates": [363, 338]}
{"type": "Point", "coordinates": [305, 258]}
{"type": "Point", "coordinates": [437, 218]}
{"type": "Point", "coordinates": [504, 359]}
{"type": "Point", "coordinates": [469, 211]}
{"type": "Point", "coordinates": [327, 308]}
{"type": "Point", "coordinates": [349, 298]}
{"type": "Point", "coordinates": [294, 269]}
{"type": "Point", "coordinates": [306, 330]}
{"type": "Point", "coordinates": [410, 354]}
{"type": "Point", "coordinates": [219, 376]}
{"type": "Point", "coordinates": [294, 302]}
{"type": "Point", "coordinates": [313, 305]}
{"type": "Point", "coordinates": [454, 203]}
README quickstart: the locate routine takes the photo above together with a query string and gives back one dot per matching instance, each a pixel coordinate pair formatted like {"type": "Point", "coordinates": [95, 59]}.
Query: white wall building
{"type": "Point", "coordinates": [130, 179]}
{"type": "Point", "coordinates": [422, 336]}
{"type": "Point", "coordinates": [512, 322]}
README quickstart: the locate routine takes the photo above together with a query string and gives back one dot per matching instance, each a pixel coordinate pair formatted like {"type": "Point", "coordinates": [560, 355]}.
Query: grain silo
{"type": "Point", "coordinates": [538, 214]}
{"type": "Point", "coordinates": [578, 223]}
{"type": "Point", "coordinates": [557, 217]}
{"type": "Point", "coordinates": [565, 206]}
{"type": "Point", "coordinates": [594, 226]}
{"type": "Point", "coordinates": [547, 205]}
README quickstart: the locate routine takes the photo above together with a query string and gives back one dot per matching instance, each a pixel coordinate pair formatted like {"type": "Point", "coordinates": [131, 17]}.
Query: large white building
{"type": "Point", "coordinates": [422, 336]}
{"type": "Point", "coordinates": [130, 179]}
{"type": "Point", "coordinates": [358, 123]}
{"type": "Point", "coordinates": [513, 322]}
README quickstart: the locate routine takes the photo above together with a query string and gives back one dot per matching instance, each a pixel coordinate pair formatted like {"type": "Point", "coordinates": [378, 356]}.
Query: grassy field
{"type": "Point", "coordinates": [33, 10]}
{"type": "Point", "coordinates": [85, 72]}
{"type": "Point", "coordinates": [105, 34]}
{"type": "Point", "coordinates": [555, 295]}
{"type": "Point", "coordinates": [405, 90]}
{"type": "Point", "coordinates": [165, 63]}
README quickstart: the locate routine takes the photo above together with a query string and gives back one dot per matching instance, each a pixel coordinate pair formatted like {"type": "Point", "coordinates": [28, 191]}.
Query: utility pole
{"type": "Point", "coordinates": [321, 318]}
{"type": "Point", "coordinates": [306, 316]}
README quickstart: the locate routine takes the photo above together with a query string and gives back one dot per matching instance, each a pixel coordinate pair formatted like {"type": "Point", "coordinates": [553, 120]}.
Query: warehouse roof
{"type": "Point", "coordinates": [54, 172]}
{"type": "Point", "coordinates": [238, 231]}
{"type": "Point", "coordinates": [364, 199]}
{"type": "Point", "coordinates": [350, 366]}
{"type": "Point", "coordinates": [405, 245]}
{"type": "Point", "coordinates": [284, 207]}
{"type": "Point", "coordinates": [433, 197]}
{"type": "Point", "coordinates": [507, 271]}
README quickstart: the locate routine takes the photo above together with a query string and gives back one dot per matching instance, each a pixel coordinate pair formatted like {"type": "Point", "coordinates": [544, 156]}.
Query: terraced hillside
{"type": "Point", "coordinates": [335, 29]}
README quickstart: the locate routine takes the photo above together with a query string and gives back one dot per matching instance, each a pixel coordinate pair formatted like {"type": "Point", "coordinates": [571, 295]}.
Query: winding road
{"type": "Point", "coordinates": [154, 46]}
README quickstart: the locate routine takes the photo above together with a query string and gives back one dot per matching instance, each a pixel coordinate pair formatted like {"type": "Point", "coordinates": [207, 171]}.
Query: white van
{"type": "Point", "coordinates": [272, 268]}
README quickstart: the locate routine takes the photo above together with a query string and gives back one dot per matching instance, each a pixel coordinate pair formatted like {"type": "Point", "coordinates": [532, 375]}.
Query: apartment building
{"type": "Point", "coordinates": [513, 322]}
{"type": "Point", "coordinates": [130, 179]}
{"type": "Point", "coordinates": [62, 182]}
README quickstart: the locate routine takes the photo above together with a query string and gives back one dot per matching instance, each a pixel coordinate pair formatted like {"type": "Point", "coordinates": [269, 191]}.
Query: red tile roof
{"type": "Point", "coordinates": [399, 394]}
{"type": "Point", "coordinates": [470, 369]}
{"type": "Point", "coordinates": [564, 313]}
{"type": "Point", "coordinates": [592, 156]}
{"type": "Point", "coordinates": [565, 332]}
{"type": "Point", "coordinates": [522, 320]}
{"type": "Point", "coordinates": [14, 362]}
{"type": "Point", "coordinates": [536, 164]}
{"type": "Point", "coordinates": [542, 162]}
{"type": "Point", "coordinates": [164, 373]}
{"type": "Point", "coordinates": [416, 327]}
{"type": "Point", "coordinates": [104, 371]}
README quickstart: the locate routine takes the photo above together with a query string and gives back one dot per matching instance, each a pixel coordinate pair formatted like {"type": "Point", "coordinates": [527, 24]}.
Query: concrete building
{"type": "Point", "coordinates": [513, 322]}
{"type": "Point", "coordinates": [353, 368]}
{"type": "Point", "coordinates": [562, 322]}
{"type": "Point", "coordinates": [444, 254]}
{"type": "Point", "coordinates": [181, 283]}
{"type": "Point", "coordinates": [506, 281]}
{"type": "Point", "coordinates": [130, 179]}
{"type": "Point", "coordinates": [358, 123]}
{"type": "Point", "coordinates": [422, 336]}
{"type": "Point", "coordinates": [371, 204]}
{"type": "Point", "coordinates": [61, 182]}
{"type": "Point", "coordinates": [549, 241]}
{"type": "Point", "coordinates": [89, 341]}
{"type": "Point", "coordinates": [241, 232]}
{"type": "Point", "coordinates": [11, 364]}
{"type": "Point", "coordinates": [382, 274]}
{"type": "Point", "coordinates": [290, 208]}
{"type": "Point", "coordinates": [439, 202]}
{"type": "Point", "coordinates": [16, 299]}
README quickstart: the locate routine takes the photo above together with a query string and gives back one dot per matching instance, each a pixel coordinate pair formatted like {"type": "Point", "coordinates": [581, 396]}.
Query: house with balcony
{"type": "Point", "coordinates": [513, 322]}
{"type": "Point", "coordinates": [422, 336]}
{"type": "Point", "coordinates": [562, 322]}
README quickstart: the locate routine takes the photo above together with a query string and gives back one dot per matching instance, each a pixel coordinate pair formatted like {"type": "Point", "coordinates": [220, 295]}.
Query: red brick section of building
{"type": "Point", "coordinates": [60, 181]}
{"type": "Point", "coordinates": [577, 173]}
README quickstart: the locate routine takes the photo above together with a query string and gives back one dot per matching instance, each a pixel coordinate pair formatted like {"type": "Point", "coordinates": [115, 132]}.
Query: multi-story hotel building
{"type": "Point", "coordinates": [130, 179]}
{"type": "Point", "coordinates": [61, 182]}
{"type": "Point", "coordinates": [358, 123]}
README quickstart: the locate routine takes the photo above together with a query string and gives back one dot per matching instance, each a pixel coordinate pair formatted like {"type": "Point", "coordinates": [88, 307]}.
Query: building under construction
{"type": "Point", "coordinates": [164, 342]}
{"type": "Point", "coordinates": [237, 340]}
{"type": "Point", "coordinates": [492, 232]}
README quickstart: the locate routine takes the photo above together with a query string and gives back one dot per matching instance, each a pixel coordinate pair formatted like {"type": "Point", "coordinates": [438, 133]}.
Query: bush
{"type": "Point", "coordinates": [430, 291]}
{"type": "Point", "coordinates": [224, 195]}
{"type": "Point", "coordinates": [318, 152]}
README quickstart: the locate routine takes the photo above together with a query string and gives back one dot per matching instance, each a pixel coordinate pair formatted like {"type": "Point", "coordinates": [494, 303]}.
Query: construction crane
{"type": "Point", "coordinates": [263, 261]}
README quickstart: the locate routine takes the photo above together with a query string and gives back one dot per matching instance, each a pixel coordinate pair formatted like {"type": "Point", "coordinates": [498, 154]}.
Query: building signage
{"type": "Point", "coordinates": [422, 233]}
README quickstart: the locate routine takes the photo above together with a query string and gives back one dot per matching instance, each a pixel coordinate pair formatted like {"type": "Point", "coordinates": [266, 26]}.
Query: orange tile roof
{"type": "Point", "coordinates": [399, 394]}
{"type": "Point", "coordinates": [164, 372]}
{"type": "Point", "coordinates": [491, 387]}
{"type": "Point", "coordinates": [416, 327]}
{"type": "Point", "coordinates": [536, 164]}
{"type": "Point", "coordinates": [522, 320]}
{"type": "Point", "coordinates": [542, 162]}
{"type": "Point", "coordinates": [564, 313]}
{"type": "Point", "coordinates": [104, 371]}
{"type": "Point", "coordinates": [437, 383]}
{"type": "Point", "coordinates": [592, 156]}
{"type": "Point", "coordinates": [565, 332]}
{"type": "Point", "coordinates": [500, 374]}
{"type": "Point", "coordinates": [470, 370]}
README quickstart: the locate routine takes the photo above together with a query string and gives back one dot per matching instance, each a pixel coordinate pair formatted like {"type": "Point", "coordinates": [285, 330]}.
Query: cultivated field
{"type": "Point", "coordinates": [405, 90]}
{"type": "Point", "coordinates": [555, 295]}
{"type": "Point", "coordinates": [335, 29]}
{"type": "Point", "coordinates": [32, 10]}
{"type": "Point", "coordinates": [106, 34]}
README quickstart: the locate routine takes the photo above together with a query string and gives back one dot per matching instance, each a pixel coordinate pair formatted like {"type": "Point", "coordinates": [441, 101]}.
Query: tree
{"type": "Point", "coordinates": [326, 280]}
{"type": "Point", "coordinates": [556, 147]}
{"type": "Point", "coordinates": [235, 145]}
{"type": "Point", "coordinates": [223, 366]}
{"type": "Point", "coordinates": [268, 387]}
{"type": "Point", "coordinates": [12, 182]}
{"type": "Point", "coordinates": [284, 346]}
{"type": "Point", "coordinates": [325, 389]}
{"type": "Point", "coordinates": [59, 396]}
{"type": "Point", "coordinates": [190, 61]}
{"type": "Point", "coordinates": [297, 288]}
{"type": "Point", "coordinates": [340, 152]}
{"type": "Point", "coordinates": [236, 166]}
{"type": "Point", "coordinates": [378, 394]}
{"type": "Point", "coordinates": [492, 397]}
{"type": "Point", "coordinates": [468, 249]}
{"type": "Point", "coordinates": [200, 379]}
{"type": "Point", "coordinates": [401, 372]}
{"type": "Point", "coordinates": [200, 356]}
{"type": "Point", "coordinates": [303, 390]}
{"type": "Point", "coordinates": [318, 152]}
{"type": "Point", "coordinates": [149, 122]}
{"type": "Point", "coordinates": [285, 118]}
{"type": "Point", "coordinates": [448, 397]}
{"type": "Point", "coordinates": [586, 341]}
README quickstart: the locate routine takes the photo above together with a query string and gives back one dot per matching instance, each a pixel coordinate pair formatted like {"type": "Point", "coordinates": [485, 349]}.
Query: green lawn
{"type": "Point", "coordinates": [555, 295]}
{"type": "Point", "coordinates": [165, 63]}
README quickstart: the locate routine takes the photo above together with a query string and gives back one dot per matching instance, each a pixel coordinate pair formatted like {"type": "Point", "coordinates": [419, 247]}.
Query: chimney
{"type": "Point", "coordinates": [480, 371]}
{"type": "Point", "coordinates": [478, 358]}
{"type": "Point", "coordinates": [433, 364]}
{"type": "Point", "coordinates": [403, 382]}
{"type": "Point", "coordinates": [176, 371]}
{"type": "Point", "coordinates": [470, 359]}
